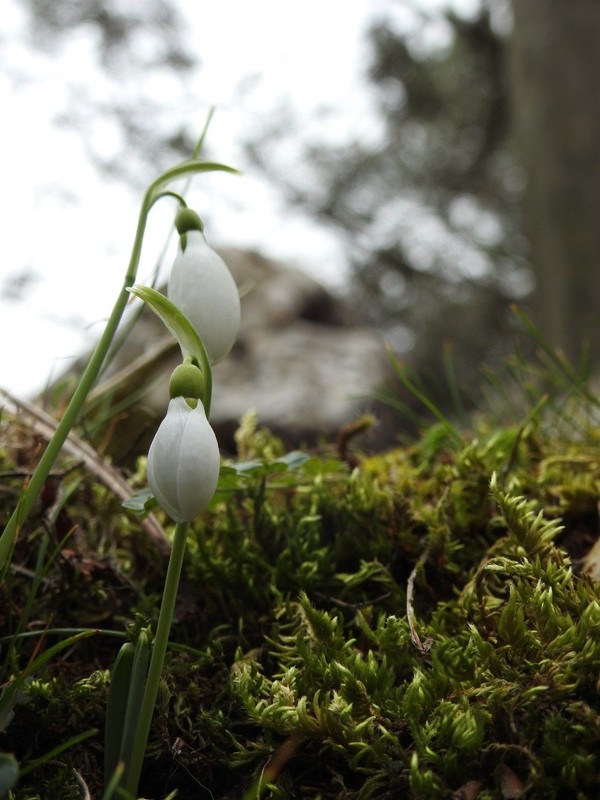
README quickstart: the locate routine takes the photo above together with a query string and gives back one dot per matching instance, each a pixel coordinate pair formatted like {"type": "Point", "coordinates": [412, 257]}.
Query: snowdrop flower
{"type": "Point", "coordinates": [183, 461]}
{"type": "Point", "coordinates": [202, 286]}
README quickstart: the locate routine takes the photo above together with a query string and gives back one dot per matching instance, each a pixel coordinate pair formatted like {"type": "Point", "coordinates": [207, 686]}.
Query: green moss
{"type": "Point", "coordinates": [406, 628]}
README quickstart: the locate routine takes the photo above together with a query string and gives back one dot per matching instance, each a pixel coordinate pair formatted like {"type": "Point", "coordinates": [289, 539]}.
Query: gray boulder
{"type": "Point", "coordinates": [299, 362]}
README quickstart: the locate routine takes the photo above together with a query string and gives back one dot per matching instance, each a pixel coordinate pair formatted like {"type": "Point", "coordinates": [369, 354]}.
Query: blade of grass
{"type": "Point", "coordinates": [451, 380]}
{"type": "Point", "coordinates": [9, 694]}
{"type": "Point", "coordinates": [576, 381]}
{"type": "Point", "coordinates": [422, 397]}
{"type": "Point", "coordinates": [55, 751]}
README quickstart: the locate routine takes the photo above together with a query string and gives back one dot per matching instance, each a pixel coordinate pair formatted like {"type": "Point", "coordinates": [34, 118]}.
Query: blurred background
{"type": "Point", "coordinates": [429, 163]}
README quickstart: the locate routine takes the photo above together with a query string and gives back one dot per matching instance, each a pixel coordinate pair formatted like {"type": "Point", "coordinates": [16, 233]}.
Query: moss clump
{"type": "Point", "coordinates": [416, 626]}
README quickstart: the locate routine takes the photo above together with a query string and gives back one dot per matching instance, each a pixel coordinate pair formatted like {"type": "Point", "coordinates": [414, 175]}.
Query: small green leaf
{"type": "Point", "coordinates": [255, 465]}
{"type": "Point", "coordinates": [290, 461]}
{"type": "Point", "coordinates": [141, 502]}
{"type": "Point", "coordinates": [232, 476]}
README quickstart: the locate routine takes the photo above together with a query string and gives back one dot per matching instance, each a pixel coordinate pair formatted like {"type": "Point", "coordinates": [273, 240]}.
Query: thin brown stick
{"type": "Point", "coordinates": [45, 425]}
{"type": "Point", "coordinates": [422, 647]}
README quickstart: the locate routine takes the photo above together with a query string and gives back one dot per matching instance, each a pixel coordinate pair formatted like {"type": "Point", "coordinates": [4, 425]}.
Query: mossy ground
{"type": "Point", "coordinates": [411, 626]}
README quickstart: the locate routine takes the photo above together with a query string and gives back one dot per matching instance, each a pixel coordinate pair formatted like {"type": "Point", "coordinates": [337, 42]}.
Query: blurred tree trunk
{"type": "Point", "coordinates": [555, 72]}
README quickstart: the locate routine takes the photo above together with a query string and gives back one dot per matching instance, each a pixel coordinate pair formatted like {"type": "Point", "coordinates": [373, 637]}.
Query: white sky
{"type": "Point", "coordinates": [74, 231]}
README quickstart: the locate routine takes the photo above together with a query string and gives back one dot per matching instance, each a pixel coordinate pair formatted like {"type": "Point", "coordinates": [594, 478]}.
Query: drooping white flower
{"type": "Point", "coordinates": [183, 461]}
{"type": "Point", "coordinates": [202, 286]}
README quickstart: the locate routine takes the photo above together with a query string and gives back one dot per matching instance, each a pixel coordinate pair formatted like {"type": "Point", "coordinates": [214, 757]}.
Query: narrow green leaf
{"type": "Point", "coordinates": [412, 387]}
{"type": "Point", "coordinates": [574, 380]}
{"type": "Point", "coordinates": [116, 708]}
{"type": "Point", "coordinates": [60, 748]}
{"type": "Point", "coordinates": [9, 695]}
{"type": "Point", "coordinates": [200, 142]}
{"type": "Point", "coordinates": [113, 784]}
{"type": "Point", "coordinates": [137, 685]}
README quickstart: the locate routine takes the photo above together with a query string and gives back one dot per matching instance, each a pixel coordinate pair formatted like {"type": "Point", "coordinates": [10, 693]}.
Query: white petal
{"type": "Point", "coordinates": [183, 461]}
{"type": "Point", "coordinates": [163, 457]}
{"type": "Point", "coordinates": [201, 285]}
{"type": "Point", "coordinates": [199, 465]}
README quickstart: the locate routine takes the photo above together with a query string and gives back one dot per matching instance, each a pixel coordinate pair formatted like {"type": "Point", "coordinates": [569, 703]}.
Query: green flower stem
{"type": "Point", "coordinates": [159, 648]}
{"type": "Point", "coordinates": [41, 472]}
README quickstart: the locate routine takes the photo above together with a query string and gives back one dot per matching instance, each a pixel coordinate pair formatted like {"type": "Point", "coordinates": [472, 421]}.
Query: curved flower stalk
{"type": "Point", "coordinates": [183, 461]}
{"type": "Point", "coordinates": [201, 285]}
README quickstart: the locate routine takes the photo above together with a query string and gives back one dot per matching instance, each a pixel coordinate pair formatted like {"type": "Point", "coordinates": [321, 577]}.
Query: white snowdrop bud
{"type": "Point", "coordinates": [202, 286]}
{"type": "Point", "coordinates": [183, 461]}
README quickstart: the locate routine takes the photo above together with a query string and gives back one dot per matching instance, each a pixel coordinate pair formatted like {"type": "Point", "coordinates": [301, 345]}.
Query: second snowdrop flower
{"type": "Point", "coordinates": [202, 286]}
{"type": "Point", "coordinates": [183, 460]}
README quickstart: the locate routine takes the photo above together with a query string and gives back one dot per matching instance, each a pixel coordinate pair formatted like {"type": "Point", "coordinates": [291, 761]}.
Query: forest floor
{"type": "Point", "coordinates": [420, 623]}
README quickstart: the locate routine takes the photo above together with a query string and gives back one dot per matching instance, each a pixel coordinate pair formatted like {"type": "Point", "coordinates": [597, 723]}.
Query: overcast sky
{"type": "Point", "coordinates": [67, 232]}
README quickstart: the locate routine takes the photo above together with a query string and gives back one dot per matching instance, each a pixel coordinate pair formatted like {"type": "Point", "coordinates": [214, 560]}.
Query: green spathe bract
{"type": "Point", "coordinates": [184, 461]}
{"type": "Point", "coordinates": [201, 285]}
{"type": "Point", "coordinates": [183, 330]}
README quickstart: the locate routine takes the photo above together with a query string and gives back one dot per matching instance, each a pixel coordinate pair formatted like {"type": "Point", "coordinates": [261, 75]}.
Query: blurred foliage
{"type": "Point", "coordinates": [427, 204]}
{"type": "Point", "coordinates": [121, 29]}
{"type": "Point", "coordinates": [134, 61]}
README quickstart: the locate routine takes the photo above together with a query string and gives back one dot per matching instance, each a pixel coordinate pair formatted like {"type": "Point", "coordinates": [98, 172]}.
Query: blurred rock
{"type": "Point", "coordinates": [299, 361]}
